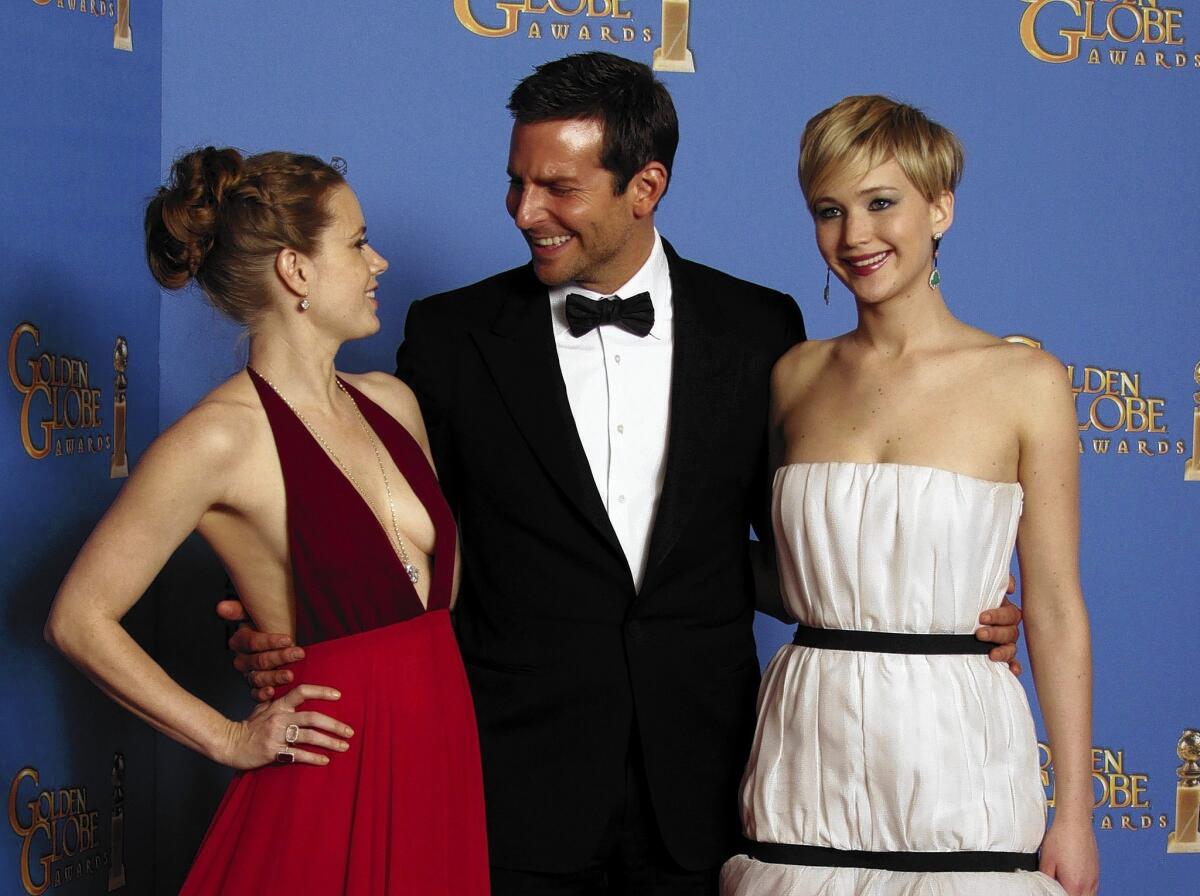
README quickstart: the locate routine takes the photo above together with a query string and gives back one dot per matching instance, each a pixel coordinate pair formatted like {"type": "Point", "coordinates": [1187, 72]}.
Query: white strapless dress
{"type": "Point", "coordinates": [887, 752]}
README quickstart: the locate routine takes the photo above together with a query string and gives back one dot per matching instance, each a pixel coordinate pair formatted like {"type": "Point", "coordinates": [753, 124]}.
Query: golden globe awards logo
{"type": "Point", "coordinates": [1111, 405]}
{"type": "Point", "coordinates": [1120, 800]}
{"type": "Point", "coordinates": [1137, 33]}
{"type": "Point", "coordinates": [117, 10]}
{"type": "Point", "coordinates": [599, 23]}
{"type": "Point", "coordinates": [61, 411]}
{"type": "Point", "coordinates": [1114, 413]}
{"type": "Point", "coordinates": [58, 831]}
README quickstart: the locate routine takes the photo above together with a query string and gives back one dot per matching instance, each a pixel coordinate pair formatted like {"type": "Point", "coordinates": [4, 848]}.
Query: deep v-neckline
{"type": "Point", "coordinates": [361, 500]}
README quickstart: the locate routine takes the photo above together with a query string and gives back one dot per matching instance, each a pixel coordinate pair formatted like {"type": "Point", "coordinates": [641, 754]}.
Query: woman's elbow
{"type": "Point", "coordinates": [52, 631]}
{"type": "Point", "coordinates": [62, 631]}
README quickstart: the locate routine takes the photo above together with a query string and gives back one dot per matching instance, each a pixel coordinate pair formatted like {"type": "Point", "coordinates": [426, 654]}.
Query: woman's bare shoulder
{"type": "Point", "coordinates": [1020, 367]}
{"type": "Point", "coordinates": [391, 394]}
{"type": "Point", "coordinates": [803, 359]}
{"type": "Point", "coordinates": [1031, 384]}
{"type": "Point", "coordinates": [223, 428]}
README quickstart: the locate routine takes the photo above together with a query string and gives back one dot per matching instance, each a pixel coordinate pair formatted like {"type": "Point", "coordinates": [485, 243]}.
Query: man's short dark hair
{"type": "Point", "coordinates": [624, 96]}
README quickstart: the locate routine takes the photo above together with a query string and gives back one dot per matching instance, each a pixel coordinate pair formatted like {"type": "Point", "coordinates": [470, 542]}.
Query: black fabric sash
{"type": "Point", "coordinates": [824, 857]}
{"type": "Point", "coordinates": [888, 642]}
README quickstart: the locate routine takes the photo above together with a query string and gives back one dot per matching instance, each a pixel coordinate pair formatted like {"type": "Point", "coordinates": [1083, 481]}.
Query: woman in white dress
{"type": "Point", "coordinates": [891, 756]}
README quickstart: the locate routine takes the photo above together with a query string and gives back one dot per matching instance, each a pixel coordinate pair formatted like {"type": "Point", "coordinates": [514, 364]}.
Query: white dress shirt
{"type": "Point", "coordinates": [619, 388]}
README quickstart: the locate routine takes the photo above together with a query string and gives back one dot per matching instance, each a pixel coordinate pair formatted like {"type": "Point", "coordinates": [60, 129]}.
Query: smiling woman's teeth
{"type": "Point", "coordinates": [868, 262]}
{"type": "Point", "coordinates": [550, 241]}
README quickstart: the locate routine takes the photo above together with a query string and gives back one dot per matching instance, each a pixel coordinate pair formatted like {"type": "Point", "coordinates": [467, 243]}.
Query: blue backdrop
{"type": "Point", "coordinates": [80, 144]}
{"type": "Point", "coordinates": [1076, 226]}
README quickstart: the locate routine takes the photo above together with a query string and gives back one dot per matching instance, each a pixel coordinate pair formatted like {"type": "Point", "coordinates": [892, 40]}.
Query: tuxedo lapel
{"type": "Point", "coordinates": [705, 377]}
{"type": "Point", "coordinates": [519, 352]}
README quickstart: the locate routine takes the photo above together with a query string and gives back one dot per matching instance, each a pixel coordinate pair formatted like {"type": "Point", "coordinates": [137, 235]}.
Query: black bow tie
{"type": "Point", "coordinates": [635, 314]}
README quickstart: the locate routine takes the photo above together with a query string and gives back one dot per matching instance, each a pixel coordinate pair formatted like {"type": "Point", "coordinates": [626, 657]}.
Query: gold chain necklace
{"type": "Point", "coordinates": [409, 567]}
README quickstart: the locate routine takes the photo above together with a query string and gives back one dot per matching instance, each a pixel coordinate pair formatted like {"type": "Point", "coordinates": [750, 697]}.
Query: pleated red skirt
{"type": "Point", "coordinates": [400, 812]}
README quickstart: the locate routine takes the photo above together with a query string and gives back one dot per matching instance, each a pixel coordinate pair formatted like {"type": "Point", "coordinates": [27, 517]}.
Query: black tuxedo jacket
{"type": "Point", "coordinates": [567, 661]}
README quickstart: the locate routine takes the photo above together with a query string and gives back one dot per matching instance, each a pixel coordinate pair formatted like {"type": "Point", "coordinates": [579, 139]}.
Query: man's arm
{"type": "Point", "coordinates": [422, 364]}
{"type": "Point", "coordinates": [768, 593]}
{"type": "Point", "coordinates": [258, 655]}
{"type": "Point", "coordinates": [1002, 626]}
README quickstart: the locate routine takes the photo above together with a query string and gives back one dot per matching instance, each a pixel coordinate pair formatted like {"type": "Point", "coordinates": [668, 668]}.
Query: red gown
{"type": "Point", "coordinates": [400, 812]}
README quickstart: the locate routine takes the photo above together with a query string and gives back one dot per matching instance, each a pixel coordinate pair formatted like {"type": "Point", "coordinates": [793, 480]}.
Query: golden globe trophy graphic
{"type": "Point", "coordinates": [122, 33]}
{"type": "Point", "coordinates": [116, 849]}
{"type": "Point", "coordinates": [1186, 836]}
{"type": "Point", "coordinates": [674, 55]}
{"type": "Point", "coordinates": [1191, 470]}
{"type": "Point", "coordinates": [120, 457]}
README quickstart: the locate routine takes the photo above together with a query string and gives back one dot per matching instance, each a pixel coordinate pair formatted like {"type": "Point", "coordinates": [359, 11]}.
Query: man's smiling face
{"type": "Point", "coordinates": [561, 198]}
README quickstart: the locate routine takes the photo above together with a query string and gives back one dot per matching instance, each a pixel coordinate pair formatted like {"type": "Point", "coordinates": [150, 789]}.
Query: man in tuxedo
{"type": "Point", "coordinates": [598, 420]}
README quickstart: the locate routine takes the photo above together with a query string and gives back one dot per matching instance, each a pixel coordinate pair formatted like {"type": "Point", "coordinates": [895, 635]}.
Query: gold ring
{"type": "Point", "coordinates": [291, 734]}
{"type": "Point", "coordinates": [285, 757]}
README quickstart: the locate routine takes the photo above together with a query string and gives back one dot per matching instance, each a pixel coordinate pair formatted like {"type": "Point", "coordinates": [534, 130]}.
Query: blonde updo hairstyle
{"type": "Point", "coordinates": [860, 132]}
{"type": "Point", "coordinates": [222, 219]}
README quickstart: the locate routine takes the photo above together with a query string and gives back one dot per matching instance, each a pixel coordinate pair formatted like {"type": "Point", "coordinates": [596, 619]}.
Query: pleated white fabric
{"type": "Point", "coordinates": [891, 752]}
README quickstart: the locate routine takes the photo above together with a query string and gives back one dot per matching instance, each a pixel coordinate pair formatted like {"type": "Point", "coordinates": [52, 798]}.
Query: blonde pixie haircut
{"type": "Point", "coordinates": [861, 132]}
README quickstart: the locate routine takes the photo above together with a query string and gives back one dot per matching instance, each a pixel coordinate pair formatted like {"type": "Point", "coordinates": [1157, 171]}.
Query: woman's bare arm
{"type": "Point", "coordinates": [188, 470]}
{"type": "Point", "coordinates": [1056, 620]}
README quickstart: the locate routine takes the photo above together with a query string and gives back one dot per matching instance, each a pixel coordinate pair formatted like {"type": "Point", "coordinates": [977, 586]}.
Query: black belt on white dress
{"type": "Point", "coordinates": [888, 642]}
{"type": "Point", "coordinates": [825, 857]}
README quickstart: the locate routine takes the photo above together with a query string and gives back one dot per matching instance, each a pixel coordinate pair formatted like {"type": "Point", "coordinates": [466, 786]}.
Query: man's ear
{"type": "Point", "coordinates": [647, 188]}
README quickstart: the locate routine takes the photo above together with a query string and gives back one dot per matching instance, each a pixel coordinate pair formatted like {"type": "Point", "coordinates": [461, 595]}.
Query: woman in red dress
{"type": "Point", "coordinates": [316, 490]}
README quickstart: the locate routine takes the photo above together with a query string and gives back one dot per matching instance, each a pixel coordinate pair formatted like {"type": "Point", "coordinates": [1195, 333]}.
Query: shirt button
{"type": "Point", "coordinates": [617, 358]}
{"type": "Point", "coordinates": [620, 427]}
{"type": "Point", "coordinates": [621, 499]}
